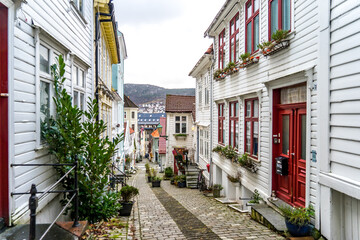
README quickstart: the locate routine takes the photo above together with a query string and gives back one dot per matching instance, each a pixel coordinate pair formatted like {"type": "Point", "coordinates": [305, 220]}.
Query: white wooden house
{"type": "Point", "coordinates": [180, 128]}
{"type": "Point", "coordinates": [33, 34]}
{"type": "Point", "coordinates": [339, 119]}
{"type": "Point", "coordinates": [268, 108]}
{"type": "Point", "coordinates": [202, 72]}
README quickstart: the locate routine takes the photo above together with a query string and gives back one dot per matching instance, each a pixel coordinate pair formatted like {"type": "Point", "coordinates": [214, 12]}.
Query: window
{"type": "Point", "coordinates": [45, 105]}
{"type": "Point", "coordinates": [200, 94]}
{"type": "Point", "coordinates": [279, 15]}
{"type": "Point", "coordinates": [132, 115]}
{"type": "Point", "coordinates": [79, 5]}
{"type": "Point", "coordinates": [221, 128]}
{"type": "Point", "coordinates": [125, 115]}
{"type": "Point", "coordinates": [233, 124]}
{"type": "Point", "coordinates": [222, 49]}
{"type": "Point", "coordinates": [207, 97]}
{"type": "Point", "coordinates": [78, 78]}
{"type": "Point", "coordinates": [234, 38]}
{"type": "Point", "coordinates": [252, 26]}
{"type": "Point", "coordinates": [180, 124]}
{"type": "Point", "coordinates": [252, 126]}
{"type": "Point", "coordinates": [44, 59]}
{"type": "Point", "coordinates": [133, 126]}
{"type": "Point", "coordinates": [207, 143]}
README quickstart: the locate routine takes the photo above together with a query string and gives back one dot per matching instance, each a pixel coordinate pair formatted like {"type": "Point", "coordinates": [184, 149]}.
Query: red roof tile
{"type": "Point", "coordinates": [179, 103]}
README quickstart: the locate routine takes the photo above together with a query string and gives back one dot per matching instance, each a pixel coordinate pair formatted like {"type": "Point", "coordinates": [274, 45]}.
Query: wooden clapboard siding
{"type": "Point", "coordinates": [63, 30]}
{"type": "Point", "coordinates": [345, 89]}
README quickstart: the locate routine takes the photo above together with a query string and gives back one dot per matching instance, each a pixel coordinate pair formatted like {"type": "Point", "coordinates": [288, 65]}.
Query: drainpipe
{"type": "Point", "coordinates": [211, 112]}
{"type": "Point", "coordinates": [97, 33]}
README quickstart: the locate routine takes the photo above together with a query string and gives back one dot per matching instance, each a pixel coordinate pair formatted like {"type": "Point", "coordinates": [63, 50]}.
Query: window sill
{"type": "Point", "coordinates": [78, 14]}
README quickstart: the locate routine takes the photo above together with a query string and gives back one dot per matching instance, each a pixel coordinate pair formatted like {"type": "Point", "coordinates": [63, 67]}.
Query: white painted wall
{"type": "Point", "coordinates": [58, 25]}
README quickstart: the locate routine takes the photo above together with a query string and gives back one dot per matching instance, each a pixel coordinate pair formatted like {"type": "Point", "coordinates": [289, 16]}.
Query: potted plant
{"type": "Point", "coordinates": [168, 173]}
{"type": "Point", "coordinates": [147, 167]}
{"type": "Point", "coordinates": [216, 190]}
{"type": "Point", "coordinates": [172, 180]}
{"type": "Point", "coordinates": [149, 176]}
{"type": "Point", "coordinates": [182, 181]}
{"type": "Point", "coordinates": [255, 199]}
{"type": "Point", "coordinates": [127, 193]}
{"type": "Point", "coordinates": [219, 74]}
{"type": "Point", "coordinates": [297, 220]}
{"type": "Point", "coordinates": [156, 181]}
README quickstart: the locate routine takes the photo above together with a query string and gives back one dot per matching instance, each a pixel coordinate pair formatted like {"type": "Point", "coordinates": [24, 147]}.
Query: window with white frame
{"type": "Point", "coordinates": [201, 140]}
{"type": "Point", "coordinates": [200, 93]}
{"type": "Point", "coordinates": [79, 4]}
{"type": "Point", "coordinates": [207, 144]}
{"type": "Point", "coordinates": [180, 124]}
{"type": "Point", "coordinates": [48, 56]}
{"type": "Point", "coordinates": [79, 81]}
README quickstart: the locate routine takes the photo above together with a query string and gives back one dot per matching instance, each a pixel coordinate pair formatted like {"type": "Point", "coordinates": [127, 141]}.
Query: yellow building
{"type": "Point", "coordinates": [106, 53]}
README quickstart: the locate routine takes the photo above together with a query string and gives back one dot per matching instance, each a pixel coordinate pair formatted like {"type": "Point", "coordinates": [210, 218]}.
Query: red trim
{"type": "Point", "coordinates": [221, 119]}
{"type": "Point", "coordinates": [233, 119]}
{"type": "Point", "coordinates": [4, 144]}
{"type": "Point", "coordinates": [251, 119]}
{"type": "Point", "coordinates": [250, 20]}
{"type": "Point", "coordinates": [279, 16]}
{"type": "Point", "coordinates": [233, 36]}
{"type": "Point", "coordinates": [221, 60]}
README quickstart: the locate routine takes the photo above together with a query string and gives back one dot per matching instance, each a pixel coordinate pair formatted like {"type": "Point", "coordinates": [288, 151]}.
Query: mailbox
{"type": "Point", "coordinates": [282, 165]}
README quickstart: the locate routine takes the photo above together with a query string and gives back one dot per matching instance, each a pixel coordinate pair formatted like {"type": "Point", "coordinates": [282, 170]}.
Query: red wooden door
{"type": "Point", "coordinates": [291, 131]}
{"type": "Point", "coordinates": [4, 192]}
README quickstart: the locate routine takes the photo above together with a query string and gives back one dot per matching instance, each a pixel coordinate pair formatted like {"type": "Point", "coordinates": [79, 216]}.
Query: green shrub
{"type": "Point", "coordinates": [169, 172]}
{"type": "Point", "coordinates": [298, 216]}
{"type": "Point", "coordinates": [217, 187]}
{"type": "Point", "coordinates": [256, 198]}
{"type": "Point", "coordinates": [280, 35]}
{"type": "Point", "coordinates": [128, 192]}
{"type": "Point", "coordinates": [73, 132]}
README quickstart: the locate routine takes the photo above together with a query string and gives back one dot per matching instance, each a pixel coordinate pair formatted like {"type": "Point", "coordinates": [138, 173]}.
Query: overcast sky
{"type": "Point", "coordinates": [164, 38]}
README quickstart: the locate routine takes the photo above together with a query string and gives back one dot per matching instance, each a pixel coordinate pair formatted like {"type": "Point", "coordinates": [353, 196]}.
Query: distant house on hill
{"type": "Point", "coordinates": [180, 118]}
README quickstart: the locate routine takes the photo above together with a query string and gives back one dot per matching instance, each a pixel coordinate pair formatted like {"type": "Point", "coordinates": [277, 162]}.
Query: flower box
{"type": "Point", "coordinates": [276, 47]}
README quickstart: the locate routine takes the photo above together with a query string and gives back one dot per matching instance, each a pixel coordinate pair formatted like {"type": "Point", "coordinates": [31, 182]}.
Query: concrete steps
{"type": "Point", "coordinates": [191, 177]}
{"type": "Point", "coordinates": [268, 217]}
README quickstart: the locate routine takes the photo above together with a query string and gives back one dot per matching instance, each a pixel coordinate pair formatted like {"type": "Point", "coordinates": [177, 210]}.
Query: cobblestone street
{"type": "Point", "coordinates": [180, 213]}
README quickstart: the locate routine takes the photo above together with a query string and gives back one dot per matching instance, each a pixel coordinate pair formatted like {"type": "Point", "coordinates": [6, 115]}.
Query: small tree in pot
{"type": "Point", "coordinates": [297, 220]}
{"type": "Point", "coordinates": [216, 190]}
{"type": "Point", "coordinates": [182, 181]}
{"type": "Point", "coordinates": [156, 181]}
{"type": "Point", "coordinates": [127, 193]}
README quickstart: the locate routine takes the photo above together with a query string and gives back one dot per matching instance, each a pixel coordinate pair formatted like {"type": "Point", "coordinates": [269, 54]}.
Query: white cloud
{"type": "Point", "coordinates": [164, 39]}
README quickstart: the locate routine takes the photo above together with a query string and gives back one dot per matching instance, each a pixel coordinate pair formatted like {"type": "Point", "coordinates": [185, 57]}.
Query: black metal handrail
{"type": "Point", "coordinates": [33, 200]}
{"type": "Point", "coordinates": [113, 175]}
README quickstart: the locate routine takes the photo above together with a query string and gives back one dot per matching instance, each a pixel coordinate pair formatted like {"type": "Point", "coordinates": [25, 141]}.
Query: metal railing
{"type": "Point", "coordinates": [33, 200]}
{"type": "Point", "coordinates": [116, 179]}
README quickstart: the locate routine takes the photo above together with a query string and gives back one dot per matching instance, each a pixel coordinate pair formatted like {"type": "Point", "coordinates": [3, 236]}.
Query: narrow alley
{"type": "Point", "coordinates": [181, 213]}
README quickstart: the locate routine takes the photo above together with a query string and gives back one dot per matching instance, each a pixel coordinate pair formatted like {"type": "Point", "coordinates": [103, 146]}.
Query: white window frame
{"type": "Point", "coordinates": [181, 122]}
{"type": "Point", "coordinates": [47, 78]}
{"type": "Point", "coordinates": [77, 87]}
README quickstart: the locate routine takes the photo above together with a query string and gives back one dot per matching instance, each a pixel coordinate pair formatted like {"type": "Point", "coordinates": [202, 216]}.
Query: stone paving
{"type": "Point", "coordinates": [156, 219]}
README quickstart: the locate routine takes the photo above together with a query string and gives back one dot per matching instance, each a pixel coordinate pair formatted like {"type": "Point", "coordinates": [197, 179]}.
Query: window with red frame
{"type": "Point", "coordinates": [252, 126]}
{"type": "Point", "coordinates": [233, 124]}
{"type": "Point", "coordinates": [222, 49]}
{"type": "Point", "coordinates": [221, 120]}
{"type": "Point", "coordinates": [252, 25]}
{"type": "Point", "coordinates": [279, 12]}
{"type": "Point", "coordinates": [234, 38]}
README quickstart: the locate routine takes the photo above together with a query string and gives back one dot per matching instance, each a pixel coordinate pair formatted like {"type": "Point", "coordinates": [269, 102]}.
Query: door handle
{"type": "Point", "coordinates": [4, 95]}
{"type": "Point", "coordinates": [292, 154]}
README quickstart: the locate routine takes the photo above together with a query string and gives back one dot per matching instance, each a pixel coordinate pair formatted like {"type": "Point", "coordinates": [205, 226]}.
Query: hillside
{"type": "Point", "coordinates": [145, 93]}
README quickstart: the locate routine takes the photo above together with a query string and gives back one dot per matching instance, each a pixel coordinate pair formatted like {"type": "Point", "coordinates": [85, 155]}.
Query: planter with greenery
{"type": "Point", "coordinates": [182, 181]}
{"type": "Point", "coordinates": [248, 60]}
{"type": "Point", "coordinates": [216, 190]}
{"type": "Point", "coordinates": [279, 42]}
{"type": "Point", "coordinates": [149, 177]}
{"type": "Point", "coordinates": [127, 193]}
{"type": "Point", "coordinates": [219, 74]}
{"type": "Point", "coordinates": [180, 136]}
{"type": "Point", "coordinates": [168, 173]}
{"type": "Point", "coordinates": [228, 151]}
{"type": "Point", "coordinates": [156, 181]}
{"type": "Point", "coordinates": [236, 179]}
{"type": "Point", "coordinates": [246, 162]}
{"type": "Point", "coordinates": [231, 68]}
{"type": "Point", "coordinates": [297, 220]}
{"type": "Point", "coordinates": [72, 132]}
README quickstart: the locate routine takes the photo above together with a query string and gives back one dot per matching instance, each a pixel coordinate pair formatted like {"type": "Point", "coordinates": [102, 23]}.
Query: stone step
{"type": "Point", "coordinates": [267, 216]}
{"type": "Point", "coordinates": [22, 232]}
